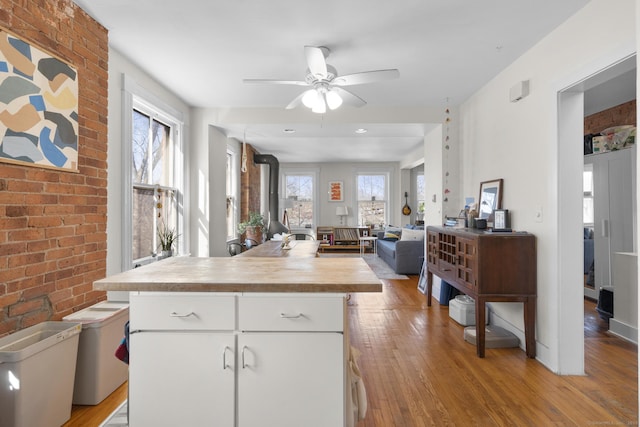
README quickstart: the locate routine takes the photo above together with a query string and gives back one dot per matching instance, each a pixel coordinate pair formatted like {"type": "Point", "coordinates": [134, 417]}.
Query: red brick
{"type": "Point", "coordinates": [25, 259]}
{"type": "Point", "coordinates": [42, 210]}
{"type": "Point", "coordinates": [20, 308]}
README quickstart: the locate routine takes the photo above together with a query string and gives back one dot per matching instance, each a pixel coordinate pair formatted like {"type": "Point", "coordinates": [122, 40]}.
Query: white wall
{"type": "Point", "coordinates": [119, 65]}
{"type": "Point", "coordinates": [519, 143]}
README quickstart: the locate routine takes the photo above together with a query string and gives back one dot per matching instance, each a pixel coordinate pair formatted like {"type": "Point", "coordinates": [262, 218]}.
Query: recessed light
{"type": "Point", "coordinates": [361, 130]}
{"type": "Point", "coordinates": [289, 131]}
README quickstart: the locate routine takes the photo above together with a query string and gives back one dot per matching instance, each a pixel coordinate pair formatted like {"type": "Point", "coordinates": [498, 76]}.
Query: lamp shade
{"type": "Point", "coordinates": [342, 211]}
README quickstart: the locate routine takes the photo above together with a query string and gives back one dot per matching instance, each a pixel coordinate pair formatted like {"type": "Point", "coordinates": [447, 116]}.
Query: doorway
{"type": "Point", "coordinates": [571, 107]}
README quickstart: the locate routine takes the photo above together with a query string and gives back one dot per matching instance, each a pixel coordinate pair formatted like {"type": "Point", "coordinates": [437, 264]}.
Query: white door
{"type": "Point", "coordinates": [181, 379]}
{"type": "Point", "coordinates": [290, 379]}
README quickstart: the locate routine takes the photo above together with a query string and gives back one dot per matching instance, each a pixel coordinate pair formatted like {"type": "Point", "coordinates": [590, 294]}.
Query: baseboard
{"type": "Point", "coordinates": [623, 330]}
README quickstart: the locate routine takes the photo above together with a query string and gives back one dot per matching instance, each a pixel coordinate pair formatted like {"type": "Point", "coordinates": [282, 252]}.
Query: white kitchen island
{"type": "Point", "coordinates": [240, 341]}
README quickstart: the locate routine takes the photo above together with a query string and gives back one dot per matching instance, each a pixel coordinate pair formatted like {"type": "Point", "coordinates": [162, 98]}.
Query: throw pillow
{"type": "Point", "coordinates": [409, 234]}
{"type": "Point", "coordinates": [392, 233]}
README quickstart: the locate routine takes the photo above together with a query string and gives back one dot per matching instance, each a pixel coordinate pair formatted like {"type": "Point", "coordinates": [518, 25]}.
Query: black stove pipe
{"type": "Point", "coordinates": [275, 226]}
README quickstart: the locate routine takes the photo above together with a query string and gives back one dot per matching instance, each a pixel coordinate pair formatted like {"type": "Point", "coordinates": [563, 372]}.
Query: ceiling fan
{"type": "Point", "coordinates": [327, 88]}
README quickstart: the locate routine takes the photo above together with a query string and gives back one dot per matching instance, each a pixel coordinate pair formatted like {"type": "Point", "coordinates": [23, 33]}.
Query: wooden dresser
{"type": "Point", "coordinates": [486, 266]}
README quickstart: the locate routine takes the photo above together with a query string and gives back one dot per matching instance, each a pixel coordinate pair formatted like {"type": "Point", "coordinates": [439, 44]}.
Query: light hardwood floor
{"type": "Point", "coordinates": [419, 371]}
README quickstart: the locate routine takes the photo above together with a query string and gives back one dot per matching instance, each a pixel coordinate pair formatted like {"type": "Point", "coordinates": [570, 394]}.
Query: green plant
{"type": "Point", "coordinates": [167, 237]}
{"type": "Point", "coordinates": [255, 220]}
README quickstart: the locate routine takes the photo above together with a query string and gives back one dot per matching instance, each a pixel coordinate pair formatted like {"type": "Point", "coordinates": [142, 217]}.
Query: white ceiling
{"type": "Point", "coordinates": [445, 51]}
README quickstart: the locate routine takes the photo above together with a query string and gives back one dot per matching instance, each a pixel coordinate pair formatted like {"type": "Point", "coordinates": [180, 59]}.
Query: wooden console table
{"type": "Point", "coordinates": [487, 266]}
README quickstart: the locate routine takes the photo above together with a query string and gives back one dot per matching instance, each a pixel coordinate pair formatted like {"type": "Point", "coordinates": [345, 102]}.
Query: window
{"type": "Point", "coordinates": [587, 201]}
{"type": "Point", "coordinates": [372, 200]}
{"type": "Point", "coordinates": [420, 197]}
{"type": "Point", "coordinates": [299, 200]}
{"type": "Point", "coordinates": [153, 183]}
{"type": "Point", "coordinates": [154, 196]}
{"type": "Point", "coordinates": [232, 205]}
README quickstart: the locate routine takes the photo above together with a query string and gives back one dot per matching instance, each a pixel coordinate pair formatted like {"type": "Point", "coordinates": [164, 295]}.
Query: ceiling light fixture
{"type": "Point", "coordinates": [361, 130]}
{"type": "Point", "coordinates": [289, 130]}
{"type": "Point", "coordinates": [321, 97]}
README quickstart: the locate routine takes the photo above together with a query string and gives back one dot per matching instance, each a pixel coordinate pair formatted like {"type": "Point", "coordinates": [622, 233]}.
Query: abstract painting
{"type": "Point", "coordinates": [335, 191]}
{"type": "Point", "coordinates": [38, 106]}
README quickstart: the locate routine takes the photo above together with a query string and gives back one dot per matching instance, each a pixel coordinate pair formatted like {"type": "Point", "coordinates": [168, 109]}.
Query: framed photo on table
{"type": "Point", "coordinates": [335, 191]}
{"type": "Point", "coordinates": [490, 198]}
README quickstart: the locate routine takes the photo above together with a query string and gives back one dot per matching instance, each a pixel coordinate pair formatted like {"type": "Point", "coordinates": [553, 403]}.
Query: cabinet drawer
{"type": "Point", "coordinates": [277, 313]}
{"type": "Point", "coordinates": [173, 311]}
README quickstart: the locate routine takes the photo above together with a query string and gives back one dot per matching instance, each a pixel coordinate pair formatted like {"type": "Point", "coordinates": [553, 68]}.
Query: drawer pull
{"type": "Point", "coordinates": [244, 365]}
{"type": "Point", "coordinates": [174, 314]}
{"type": "Point", "coordinates": [291, 316]}
{"type": "Point", "coordinates": [224, 358]}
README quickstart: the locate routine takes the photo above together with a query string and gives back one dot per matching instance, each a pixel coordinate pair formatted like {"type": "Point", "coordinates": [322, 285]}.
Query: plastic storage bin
{"type": "Point", "coordinates": [98, 371]}
{"type": "Point", "coordinates": [462, 309]}
{"type": "Point", "coordinates": [37, 368]}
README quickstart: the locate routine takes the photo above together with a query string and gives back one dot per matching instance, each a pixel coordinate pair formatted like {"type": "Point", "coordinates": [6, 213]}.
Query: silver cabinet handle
{"type": "Point", "coordinates": [244, 365]}
{"type": "Point", "coordinates": [224, 358]}
{"type": "Point", "coordinates": [291, 316]}
{"type": "Point", "coordinates": [174, 314]}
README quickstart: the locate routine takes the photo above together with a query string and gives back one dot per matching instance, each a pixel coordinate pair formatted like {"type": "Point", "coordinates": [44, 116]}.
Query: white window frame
{"type": "Point", "coordinates": [234, 176]}
{"type": "Point", "coordinates": [388, 184]}
{"type": "Point", "coordinates": [314, 173]}
{"type": "Point", "coordinates": [136, 97]}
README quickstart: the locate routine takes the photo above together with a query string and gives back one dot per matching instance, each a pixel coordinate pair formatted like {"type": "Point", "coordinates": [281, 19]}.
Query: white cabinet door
{"type": "Point", "coordinates": [290, 379]}
{"type": "Point", "coordinates": [181, 379]}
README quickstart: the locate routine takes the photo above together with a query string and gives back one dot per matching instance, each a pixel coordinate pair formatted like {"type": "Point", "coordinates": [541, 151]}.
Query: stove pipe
{"type": "Point", "coordinates": [275, 226]}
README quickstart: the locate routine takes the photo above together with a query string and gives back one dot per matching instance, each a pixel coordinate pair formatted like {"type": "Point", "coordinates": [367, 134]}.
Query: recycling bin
{"type": "Point", "coordinates": [98, 371]}
{"type": "Point", "coordinates": [37, 369]}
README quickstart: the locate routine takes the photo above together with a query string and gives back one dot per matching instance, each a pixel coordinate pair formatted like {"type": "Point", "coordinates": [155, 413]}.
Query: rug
{"type": "Point", "coordinates": [379, 267]}
{"type": "Point", "coordinates": [118, 418]}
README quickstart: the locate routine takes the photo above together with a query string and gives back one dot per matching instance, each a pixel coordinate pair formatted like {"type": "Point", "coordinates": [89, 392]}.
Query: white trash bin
{"type": "Point", "coordinates": [98, 371]}
{"type": "Point", "coordinates": [37, 368]}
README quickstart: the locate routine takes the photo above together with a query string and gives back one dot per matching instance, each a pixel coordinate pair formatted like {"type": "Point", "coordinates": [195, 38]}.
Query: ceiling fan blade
{"type": "Point", "coordinates": [366, 77]}
{"type": "Point", "coordinates": [297, 101]}
{"type": "Point", "coordinates": [316, 61]}
{"type": "Point", "coordinates": [276, 82]}
{"type": "Point", "coordinates": [349, 98]}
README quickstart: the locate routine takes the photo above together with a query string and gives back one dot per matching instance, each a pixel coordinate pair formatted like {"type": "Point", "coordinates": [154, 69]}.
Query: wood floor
{"type": "Point", "coordinates": [419, 371]}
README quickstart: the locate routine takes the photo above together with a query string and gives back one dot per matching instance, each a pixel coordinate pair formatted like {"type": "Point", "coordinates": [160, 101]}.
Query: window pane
{"type": "Point", "coordinates": [299, 190]}
{"type": "Point", "coordinates": [231, 226]}
{"type": "Point", "coordinates": [140, 141]}
{"type": "Point", "coordinates": [420, 192]}
{"type": "Point", "coordinates": [372, 204]}
{"type": "Point", "coordinates": [161, 154]}
{"type": "Point", "coordinates": [143, 220]}
{"type": "Point", "coordinates": [587, 181]}
{"type": "Point", "coordinates": [587, 210]}
{"type": "Point", "coordinates": [371, 213]}
{"type": "Point", "coordinates": [371, 186]}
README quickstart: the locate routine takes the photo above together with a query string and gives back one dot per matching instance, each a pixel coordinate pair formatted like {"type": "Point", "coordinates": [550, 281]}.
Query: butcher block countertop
{"type": "Point", "coordinates": [247, 274]}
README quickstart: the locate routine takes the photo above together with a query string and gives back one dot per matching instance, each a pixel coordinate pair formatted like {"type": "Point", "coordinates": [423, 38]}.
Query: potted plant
{"type": "Point", "coordinates": [254, 227]}
{"type": "Point", "coordinates": [167, 237]}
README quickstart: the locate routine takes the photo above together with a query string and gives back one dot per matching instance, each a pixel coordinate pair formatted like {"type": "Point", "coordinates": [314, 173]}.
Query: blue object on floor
{"type": "Point", "coordinates": [447, 293]}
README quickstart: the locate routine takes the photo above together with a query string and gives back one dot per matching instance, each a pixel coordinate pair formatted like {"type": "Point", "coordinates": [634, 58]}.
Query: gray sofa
{"type": "Point", "coordinates": [403, 256]}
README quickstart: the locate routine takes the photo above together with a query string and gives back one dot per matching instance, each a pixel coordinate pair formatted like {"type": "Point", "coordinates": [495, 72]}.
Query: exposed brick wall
{"type": "Point", "coordinates": [623, 114]}
{"type": "Point", "coordinates": [53, 223]}
{"type": "Point", "coordinates": [250, 186]}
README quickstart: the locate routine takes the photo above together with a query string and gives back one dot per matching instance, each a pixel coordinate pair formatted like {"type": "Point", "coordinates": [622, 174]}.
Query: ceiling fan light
{"type": "Point", "coordinates": [321, 106]}
{"type": "Point", "coordinates": [310, 98]}
{"type": "Point", "coordinates": [333, 100]}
